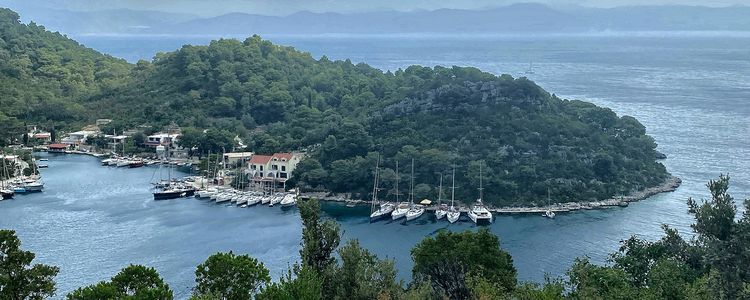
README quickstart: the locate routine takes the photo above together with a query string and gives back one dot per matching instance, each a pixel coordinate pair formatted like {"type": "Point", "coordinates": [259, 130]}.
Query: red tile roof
{"type": "Point", "coordinates": [260, 159]}
{"type": "Point", "coordinates": [57, 146]}
{"type": "Point", "coordinates": [280, 156]}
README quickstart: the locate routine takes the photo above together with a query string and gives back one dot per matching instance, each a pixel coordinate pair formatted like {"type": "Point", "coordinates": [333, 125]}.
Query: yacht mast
{"type": "Point", "coordinates": [480, 181]}
{"type": "Point", "coordinates": [440, 191]}
{"type": "Point", "coordinates": [375, 186]}
{"type": "Point", "coordinates": [411, 187]}
{"type": "Point", "coordinates": [453, 188]}
{"type": "Point", "coordinates": [398, 178]}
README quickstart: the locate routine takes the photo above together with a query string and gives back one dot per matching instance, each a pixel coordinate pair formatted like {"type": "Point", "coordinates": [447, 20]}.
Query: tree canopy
{"type": "Point", "coordinates": [279, 99]}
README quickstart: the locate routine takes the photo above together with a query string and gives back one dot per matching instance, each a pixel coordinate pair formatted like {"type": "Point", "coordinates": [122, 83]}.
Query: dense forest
{"type": "Point", "coordinates": [344, 115]}
{"type": "Point", "coordinates": [447, 265]}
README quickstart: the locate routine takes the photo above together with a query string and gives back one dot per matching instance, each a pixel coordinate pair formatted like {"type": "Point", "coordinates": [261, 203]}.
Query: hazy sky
{"type": "Point", "coordinates": [283, 7]}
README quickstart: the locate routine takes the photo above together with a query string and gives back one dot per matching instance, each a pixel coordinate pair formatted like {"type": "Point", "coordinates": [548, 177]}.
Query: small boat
{"type": "Point", "coordinates": [265, 199]}
{"type": "Point", "coordinates": [42, 166]}
{"type": "Point", "coordinates": [289, 200]}
{"type": "Point", "coordinates": [105, 162]}
{"type": "Point", "coordinates": [33, 186]}
{"type": "Point", "coordinates": [113, 162]}
{"type": "Point", "coordinates": [242, 200]}
{"type": "Point", "coordinates": [6, 194]}
{"type": "Point", "coordinates": [18, 189]}
{"type": "Point", "coordinates": [43, 159]}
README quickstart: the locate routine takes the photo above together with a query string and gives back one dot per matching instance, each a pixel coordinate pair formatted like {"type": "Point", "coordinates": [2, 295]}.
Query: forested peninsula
{"type": "Point", "coordinates": [343, 115]}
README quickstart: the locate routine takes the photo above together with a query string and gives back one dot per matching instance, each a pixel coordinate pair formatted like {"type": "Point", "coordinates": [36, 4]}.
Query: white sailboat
{"type": "Point", "coordinates": [478, 213]}
{"type": "Point", "coordinates": [415, 210]}
{"type": "Point", "coordinates": [548, 213]}
{"type": "Point", "coordinates": [453, 213]}
{"type": "Point", "coordinates": [378, 210]}
{"type": "Point", "coordinates": [442, 209]}
{"type": "Point", "coordinates": [403, 207]}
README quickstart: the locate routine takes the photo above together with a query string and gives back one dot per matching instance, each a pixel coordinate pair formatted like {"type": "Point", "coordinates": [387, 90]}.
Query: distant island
{"type": "Point", "coordinates": [343, 115]}
{"type": "Point", "coordinates": [515, 19]}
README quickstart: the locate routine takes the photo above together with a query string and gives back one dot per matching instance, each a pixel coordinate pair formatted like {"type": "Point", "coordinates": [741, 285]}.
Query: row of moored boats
{"type": "Point", "coordinates": [478, 213]}
{"type": "Point", "coordinates": [247, 198]}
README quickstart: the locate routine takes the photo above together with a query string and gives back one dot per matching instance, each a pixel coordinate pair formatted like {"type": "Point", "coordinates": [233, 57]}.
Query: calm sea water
{"type": "Point", "coordinates": [691, 92]}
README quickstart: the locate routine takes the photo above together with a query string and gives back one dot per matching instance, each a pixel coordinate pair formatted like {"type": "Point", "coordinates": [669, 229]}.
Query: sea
{"type": "Point", "coordinates": [690, 90]}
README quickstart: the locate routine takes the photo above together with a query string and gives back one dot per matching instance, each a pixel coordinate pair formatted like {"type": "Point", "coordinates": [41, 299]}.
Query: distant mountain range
{"type": "Point", "coordinates": [524, 18]}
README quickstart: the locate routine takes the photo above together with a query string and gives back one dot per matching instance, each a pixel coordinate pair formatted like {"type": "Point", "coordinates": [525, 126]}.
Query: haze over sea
{"type": "Point", "coordinates": [691, 91]}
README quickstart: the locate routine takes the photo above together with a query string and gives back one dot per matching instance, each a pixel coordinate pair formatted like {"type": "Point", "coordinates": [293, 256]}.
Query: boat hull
{"type": "Point", "coordinates": [414, 215]}
{"type": "Point", "coordinates": [399, 213]}
{"type": "Point", "coordinates": [34, 188]}
{"type": "Point", "coordinates": [479, 220]}
{"type": "Point", "coordinates": [7, 194]}
{"type": "Point", "coordinates": [453, 216]}
{"type": "Point", "coordinates": [173, 194]}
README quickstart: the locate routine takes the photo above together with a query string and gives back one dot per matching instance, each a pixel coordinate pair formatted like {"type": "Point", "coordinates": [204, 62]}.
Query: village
{"type": "Point", "coordinates": [235, 175]}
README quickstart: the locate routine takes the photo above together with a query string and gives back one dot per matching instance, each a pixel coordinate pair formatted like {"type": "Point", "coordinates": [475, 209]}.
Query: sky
{"type": "Point", "coordinates": [284, 7]}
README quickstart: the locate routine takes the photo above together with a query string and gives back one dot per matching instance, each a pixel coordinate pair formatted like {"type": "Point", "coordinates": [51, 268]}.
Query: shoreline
{"type": "Point", "coordinates": [668, 186]}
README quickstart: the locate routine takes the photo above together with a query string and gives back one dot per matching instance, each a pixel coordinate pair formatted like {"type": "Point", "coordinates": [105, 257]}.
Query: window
{"type": "Point", "coordinates": [282, 175]}
{"type": "Point", "coordinates": [261, 174]}
{"type": "Point", "coordinates": [253, 167]}
{"type": "Point", "coordinates": [275, 167]}
{"type": "Point", "coordinates": [261, 169]}
{"type": "Point", "coordinates": [283, 168]}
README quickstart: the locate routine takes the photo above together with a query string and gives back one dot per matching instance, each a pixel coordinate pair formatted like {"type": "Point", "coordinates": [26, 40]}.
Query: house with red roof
{"type": "Point", "coordinates": [276, 168]}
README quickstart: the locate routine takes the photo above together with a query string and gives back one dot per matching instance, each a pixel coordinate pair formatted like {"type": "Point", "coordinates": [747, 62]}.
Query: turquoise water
{"type": "Point", "coordinates": [692, 93]}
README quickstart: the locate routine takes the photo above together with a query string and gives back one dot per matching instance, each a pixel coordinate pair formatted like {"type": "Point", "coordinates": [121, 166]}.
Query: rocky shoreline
{"type": "Point", "coordinates": [669, 185]}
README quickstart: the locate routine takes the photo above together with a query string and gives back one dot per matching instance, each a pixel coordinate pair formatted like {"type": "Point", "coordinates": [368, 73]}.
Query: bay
{"type": "Point", "coordinates": [692, 92]}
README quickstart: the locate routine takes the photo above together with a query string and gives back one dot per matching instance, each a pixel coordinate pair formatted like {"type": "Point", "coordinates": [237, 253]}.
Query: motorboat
{"type": "Point", "coordinates": [265, 199]}
{"type": "Point", "coordinates": [276, 199]}
{"type": "Point", "coordinates": [253, 200]}
{"type": "Point", "coordinates": [33, 185]}
{"type": "Point", "coordinates": [6, 194]}
{"type": "Point", "coordinates": [289, 200]}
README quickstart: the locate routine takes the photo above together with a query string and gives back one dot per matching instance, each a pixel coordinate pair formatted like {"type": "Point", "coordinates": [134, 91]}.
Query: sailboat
{"type": "Point", "coordinates": [548, 213]}
{"type": "Point", "coordinates": [34, 183]}
{"type": "Point", "coordinates": [5, 192]}
{"type": "Point", "coordinates": [415, 210]}
{"type": "Point", "coordinates": [478, 213]}
{"type": "Point", "coordinates": [378, 210]}
{"type": "Point", "coordinates": [442, 209]}
{"type": "Point", "coordinates": [453, 213]}
{"type": "Point", "coordinates": [403, 207]}
{"type": "Point", "coordinates": [173, 190]}
{"type": "Point", "coordinates": [530, 70]}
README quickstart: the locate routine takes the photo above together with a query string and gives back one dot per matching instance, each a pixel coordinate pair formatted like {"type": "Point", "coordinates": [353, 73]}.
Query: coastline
{"type": "Point", "coordinates": [669, 185]}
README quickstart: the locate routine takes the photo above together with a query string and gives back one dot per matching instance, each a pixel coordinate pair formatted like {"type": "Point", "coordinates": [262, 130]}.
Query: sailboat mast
{"type": "Point", "coordinates": [453, 188]}
{"type": "Point", "coordinates": [480, 181]}
{"type": "Point", "coordinates": [397, 180]}
{"type": "Point", "coordinates": [411, 187]}
{"type": "Point", "coordinates": [375, 186]}
{"type": "Point", "coordinates": [440, 191]}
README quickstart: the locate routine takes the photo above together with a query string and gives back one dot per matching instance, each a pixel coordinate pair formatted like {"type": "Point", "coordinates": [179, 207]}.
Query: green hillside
{"type": "Point", "coordinates": [280, 99]}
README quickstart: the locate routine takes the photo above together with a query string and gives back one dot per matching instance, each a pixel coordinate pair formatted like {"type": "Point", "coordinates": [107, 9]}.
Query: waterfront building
{"type": "Point", "coordinates": [234, 158]}
{"type": "Point", "coordinates": [161, 139]}
{"type": "Point", "coordinates": [57, 148]}
{"type": "Point", "coordinates": [272, 170]}
{"type": "Point", "coordinates": [75, 139]}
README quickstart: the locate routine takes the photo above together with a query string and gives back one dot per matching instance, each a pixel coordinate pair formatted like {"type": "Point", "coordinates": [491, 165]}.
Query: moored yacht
{"type": "Point", "coordinates": [453, 213]}
{"type": "Point", "coordinates": [174, 192]}
{"type": "Point", "coordinates": [442, 209]}
{"type": "Point", "coordinates": [290, 199]}
{"type": "Point", "coordinates": [478, 213]}
{"type": "Point", "coordinates": [378, 209]}
{"type": "Point", "coordinates": [415, 210]}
